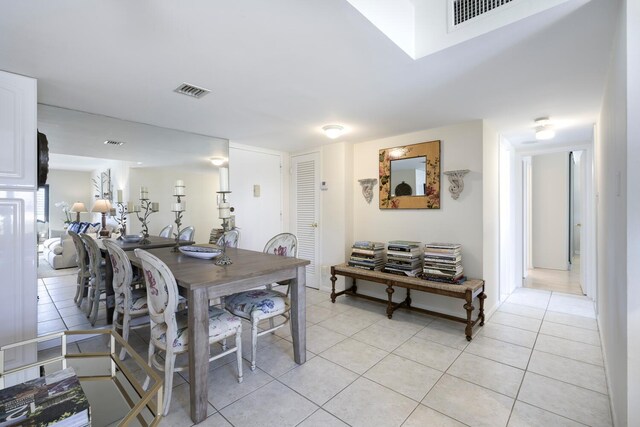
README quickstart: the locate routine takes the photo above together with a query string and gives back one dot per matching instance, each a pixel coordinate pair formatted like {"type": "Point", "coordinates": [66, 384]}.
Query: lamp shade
{"type": "Point", "coordinates": [78, 207]}
{"type": "Point", "coordinates": [101, 205]}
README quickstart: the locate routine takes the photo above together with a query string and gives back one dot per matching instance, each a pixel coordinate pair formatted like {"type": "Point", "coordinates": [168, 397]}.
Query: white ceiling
{"type": "Point", "coordinates": [280, 69]}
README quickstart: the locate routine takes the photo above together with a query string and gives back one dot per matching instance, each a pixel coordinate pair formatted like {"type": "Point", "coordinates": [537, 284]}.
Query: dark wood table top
{"type": "Point", "coordinates": [192, 273]}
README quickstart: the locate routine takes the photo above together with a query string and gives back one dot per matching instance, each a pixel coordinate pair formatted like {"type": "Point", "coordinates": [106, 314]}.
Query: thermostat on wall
{"type": "Point", "coordinates": [324, 186]}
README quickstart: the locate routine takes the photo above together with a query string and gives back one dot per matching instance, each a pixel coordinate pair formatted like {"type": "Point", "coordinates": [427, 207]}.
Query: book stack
{"type": "Point", "coordinates": [443, 263]}
{"type": "Point", "coordinates": [367, 255]}
{"type": "Point", "coordinates": [54, 400]}
{"type": "Point", "coordinates": [403, 258]}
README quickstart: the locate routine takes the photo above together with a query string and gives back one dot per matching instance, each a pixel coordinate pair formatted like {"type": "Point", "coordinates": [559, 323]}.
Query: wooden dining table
{"type": "Point", "coordinates": [202, 280]}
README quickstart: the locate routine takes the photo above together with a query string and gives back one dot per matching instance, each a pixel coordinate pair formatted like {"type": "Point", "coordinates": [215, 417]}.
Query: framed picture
{"type": "Point", "coordinates": [410, 176]}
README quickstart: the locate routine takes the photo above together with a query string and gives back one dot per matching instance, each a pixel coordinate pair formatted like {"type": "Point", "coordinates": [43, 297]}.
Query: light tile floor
{"type": "Point", "coordinates": [566, 281]}
{"type": "Point", "coordinates": [536, 362]}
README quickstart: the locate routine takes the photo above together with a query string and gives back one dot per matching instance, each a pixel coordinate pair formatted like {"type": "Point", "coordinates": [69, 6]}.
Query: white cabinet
{"type": "Point", "coordinates": [18, 187]}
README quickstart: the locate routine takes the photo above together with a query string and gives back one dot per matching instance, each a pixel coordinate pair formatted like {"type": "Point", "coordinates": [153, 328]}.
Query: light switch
{"type": "Point", "coordinates": [256, 190]}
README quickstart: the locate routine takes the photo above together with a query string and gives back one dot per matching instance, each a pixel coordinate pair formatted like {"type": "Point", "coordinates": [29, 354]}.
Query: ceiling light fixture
{"type": "Point", "coordinates": [544, 130]}
{"type": "Point", "coordinates": [218, 161]}
{"type": "Point", "coordinates": [333, 131]}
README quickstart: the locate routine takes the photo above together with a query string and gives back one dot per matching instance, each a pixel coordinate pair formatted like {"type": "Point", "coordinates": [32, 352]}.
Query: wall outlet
{"type": "Point", "coordinates": [256, 190]}
{"type": "Point", "coordinates": [323, 186]}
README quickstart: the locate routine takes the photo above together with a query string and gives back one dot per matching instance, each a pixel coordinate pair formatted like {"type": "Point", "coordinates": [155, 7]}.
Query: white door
{"type": "Point", "coordinates": [18, 243]}
{"type": "Point", "coordinates": [305, 211]}
{"type": "Point", "coordinates": [256, 185]}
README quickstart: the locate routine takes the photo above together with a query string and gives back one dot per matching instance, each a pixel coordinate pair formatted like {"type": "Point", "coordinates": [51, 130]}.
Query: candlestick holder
{"type": "Point", "coordinates": [121, 218]}
{"type": "Point", "coordinates": [147, 208]}
{"type": "Point", "coordinates": [178, 209]}
{"type": "Point", "coordinates": [224, 213]}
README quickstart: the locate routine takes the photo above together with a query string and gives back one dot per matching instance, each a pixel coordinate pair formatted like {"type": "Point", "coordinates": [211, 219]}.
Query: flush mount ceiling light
{"type": "Point", "coordinates": [333, 131]}
{"type": "Point", "coordinates": [544, 129]}
{"type": "Point", "coordinates": [218, 161]}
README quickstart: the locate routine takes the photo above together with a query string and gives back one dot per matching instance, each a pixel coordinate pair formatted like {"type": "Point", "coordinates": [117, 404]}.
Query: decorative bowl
{"type": "Point", "coordinates": [131, 238]}
{"type": "Point", "coordinates": [200, 252]}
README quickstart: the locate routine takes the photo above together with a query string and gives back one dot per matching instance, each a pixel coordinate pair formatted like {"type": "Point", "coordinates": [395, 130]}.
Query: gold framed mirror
{"type": "Point", "coordinates": [410, 176]}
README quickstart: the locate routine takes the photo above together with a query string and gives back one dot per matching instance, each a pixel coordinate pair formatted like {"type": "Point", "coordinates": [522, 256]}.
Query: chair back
{"type": "Point", "coordinates": [162, 291]}
{"type": "Point", "coordinates": [229, 239]}
{"type": "Point", "coordinates": [187, 233]}
{"type": "Point", "coordinates": [283, 244]}
{"type": "Point", "coordinates": [82, 258]}
{"type": "Point", "coordinates": [166, 232]}
{"type": "Point", "coordinates": [95, 257]}
{"type": "Point", "coordinates": [122, 273]}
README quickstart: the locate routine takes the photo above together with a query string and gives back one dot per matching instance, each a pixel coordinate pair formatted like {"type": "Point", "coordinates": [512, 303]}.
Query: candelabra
{"type": "Point", "coordinates": [224, 213]}
{"type": "Point", "coordinates": [178, 208]}
{"type": "Point", "coordinates": [146, 208]}
{"type": "Point", "coordinates": [121, 218]}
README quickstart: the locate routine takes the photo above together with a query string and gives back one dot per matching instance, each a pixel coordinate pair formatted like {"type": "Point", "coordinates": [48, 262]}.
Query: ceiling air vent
{"type": "Point", "coordinates": [191, 90]}
{"type": "Point", "coordinates": [114, 143]}
{"type": "Point", "coordinates": [464, 10]}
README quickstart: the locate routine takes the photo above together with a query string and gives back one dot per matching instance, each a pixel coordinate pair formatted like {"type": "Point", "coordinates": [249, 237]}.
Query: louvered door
{"type": "Point", "coordinates": [306, 181]}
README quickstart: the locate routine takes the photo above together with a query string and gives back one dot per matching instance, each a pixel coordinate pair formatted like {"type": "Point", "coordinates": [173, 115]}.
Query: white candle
{"type": "Point", "coordinates": [119, 196]}
{"type": "Point", "coordinates": [155, 207]}
{"type": "Point", "coordinates": [224, 210]}
{"type": "Point", "coordinates": [144, 193]}
{"type": "Point", "coordinates": [130, 207]}
{"type": "Point", "coordinates": [179, 183]}
{"type": "Point", "coordinates": [178, 190]}
{"type": "Point", "coordinates": [224, 179]}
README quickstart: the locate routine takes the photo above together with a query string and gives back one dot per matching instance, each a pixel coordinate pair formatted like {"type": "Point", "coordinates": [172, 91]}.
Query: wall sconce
{"type": "Point", "coordinates": [367, 188]}
{"type": "Point", "coordinates": [456, 179]}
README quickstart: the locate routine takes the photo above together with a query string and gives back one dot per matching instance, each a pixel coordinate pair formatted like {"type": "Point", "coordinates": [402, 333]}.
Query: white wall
{"type": "Point", "coordinates": [550, 210]}
{"type": "Point", "coordinates": [70, 187]}
{"type": "Point", "coordinates": [201, 208]}
{"type": "Point", "coordinates": [459, 221]}
{"type": "Point", "coordinates": [490, 215]}
{"type": "Point", "coordinates": [611, 171]}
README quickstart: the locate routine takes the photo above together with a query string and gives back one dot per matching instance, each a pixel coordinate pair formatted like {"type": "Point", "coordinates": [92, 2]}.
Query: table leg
{"type": "Point", "coordinates": [333, 284]}
{"type": "Point", "coordinates": [198, 353]}
{"type": "Point", "coordinates": [469, 307]}
{"type": "Point", "coordinates": [390, 304]}
{"type": "Point", "coordinates": [482, 297]}
{"type": "Point", "coordinates": [298, 316]}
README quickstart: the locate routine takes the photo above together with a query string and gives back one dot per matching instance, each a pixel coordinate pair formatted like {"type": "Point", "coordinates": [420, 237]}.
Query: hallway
{"type": "Point", "coordinates": [555, 280]}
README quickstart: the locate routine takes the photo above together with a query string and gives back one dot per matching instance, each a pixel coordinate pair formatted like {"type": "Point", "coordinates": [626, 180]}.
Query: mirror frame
{"type": "Point", "coordinates": [431, 200]}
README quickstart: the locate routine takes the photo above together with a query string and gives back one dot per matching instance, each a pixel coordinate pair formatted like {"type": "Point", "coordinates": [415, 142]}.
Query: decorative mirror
{"type": "Point", "coordinates": [410, 176]}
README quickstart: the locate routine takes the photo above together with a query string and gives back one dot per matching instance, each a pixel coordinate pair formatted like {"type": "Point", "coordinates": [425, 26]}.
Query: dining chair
{"type": "Point", "coordinates": [166, 232]}
{"type": "Point", "coordinates": [187, 233]}
{"type": "Point", "coordinates": [260, 304]}
{"type": "Point", "coordinates": [169, 327]}
{"type": "Point", "coordinates": [97, 284]}
{"type": "Point", "coordinates": [82, 259]}
{"type": "Point", "coordinates": [229, 239]}
{"type": "Point", "coordinates": [129, 303]}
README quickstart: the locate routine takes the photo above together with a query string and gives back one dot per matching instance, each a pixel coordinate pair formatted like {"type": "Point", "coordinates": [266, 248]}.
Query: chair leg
{"type": "Point", "coordinates": [223, 343]}
{"type": "Point", "coordinates": [90, 297]}
{"type": "Point", "coordinates": [152, 350]}
{"type": "Point", "coordinates": [271, 325]}
{"type": "Point", "coordinates": [239, 352]}
{"type": "Point", "coordinates": [96, 305]}
{"type": "Point", "coordinates": [169, 363]}
{"type": "Point", "coordinates": [78, 298]}
{"type": "Point", "coordinates": [254, 342]}
{"type": "Point", "coordinates": [126, 318]}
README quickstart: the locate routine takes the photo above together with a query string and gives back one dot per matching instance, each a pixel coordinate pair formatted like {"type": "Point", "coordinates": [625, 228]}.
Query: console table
{"type": "Point", "coordinates": [467, 291]}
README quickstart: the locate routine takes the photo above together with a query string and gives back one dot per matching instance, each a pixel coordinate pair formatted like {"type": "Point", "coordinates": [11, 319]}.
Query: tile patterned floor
{"type": "Point", "coordinates": [566, 281]}
{"type": "Point", "coordinates": [536, 362]}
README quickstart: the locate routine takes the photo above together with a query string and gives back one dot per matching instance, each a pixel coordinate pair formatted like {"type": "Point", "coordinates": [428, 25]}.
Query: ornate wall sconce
{"type": "Point", "coordinates": [367, 188]}
{"type": "Point", "coordinates": [456, 179]}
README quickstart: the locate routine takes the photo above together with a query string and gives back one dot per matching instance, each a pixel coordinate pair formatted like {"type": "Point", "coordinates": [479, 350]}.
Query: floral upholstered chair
{"type": "Point", "coordinates": [97, 281]}
{"type": "Point", "coordinates": [259, 304]}
{"type": "Point", "coordinates": [169, 327]}
{"type": "Point", "coordinates": [187, 233]}
{"type": "Point", "coordinates": [229, 239]}
{"type": "Point", "coordinates": [84, 275]}
{"type": "Point", "coordinates": [166, 232]}
{"type": "Point", "coordinates": [129, 303]}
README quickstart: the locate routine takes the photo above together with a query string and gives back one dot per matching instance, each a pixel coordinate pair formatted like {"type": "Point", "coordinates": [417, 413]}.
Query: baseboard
{"type": "Point", "coordinates": [607, 374]}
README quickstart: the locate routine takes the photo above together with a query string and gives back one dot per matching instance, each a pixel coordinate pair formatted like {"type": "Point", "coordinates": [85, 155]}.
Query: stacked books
{"type": "Point", "coordinates": [443, 263]}
{"type": "Point", "coordinates": [367, 255]}
{"type": "Point", "coordinates": [403, 258]}
{"type": "Point", "coordinates": [54, 400]}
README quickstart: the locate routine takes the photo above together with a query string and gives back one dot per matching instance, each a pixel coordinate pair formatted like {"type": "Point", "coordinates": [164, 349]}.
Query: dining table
{"type": "Point", "coordinates": [201, 280]}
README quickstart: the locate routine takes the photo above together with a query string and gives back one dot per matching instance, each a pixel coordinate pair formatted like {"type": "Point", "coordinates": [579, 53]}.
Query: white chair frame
{"type": "Point", "coordinates": [97, 284]}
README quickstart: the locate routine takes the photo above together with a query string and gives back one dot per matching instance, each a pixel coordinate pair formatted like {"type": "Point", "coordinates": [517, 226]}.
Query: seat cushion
{"type": "Point", "coordinates": [221, 323]}
{"type": "Point", "coordinates": [261, 301]}
{"type": "Point", "coordinates": [138, 304]}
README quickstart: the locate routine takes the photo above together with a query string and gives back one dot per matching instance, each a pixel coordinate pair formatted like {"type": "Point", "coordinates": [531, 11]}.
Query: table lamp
{"type": "Point", "coordinates": [77, 208]}
{"type": "Point", "coordinates": [103, 206]}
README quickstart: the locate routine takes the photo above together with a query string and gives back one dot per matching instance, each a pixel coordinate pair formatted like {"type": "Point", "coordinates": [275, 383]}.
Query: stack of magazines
{"type": "Point", "coordinates": [443, 263]}
{"type": "Point", "coordinates": [367, 255]}
{"type": "Point", "coordinates": [403, 258]}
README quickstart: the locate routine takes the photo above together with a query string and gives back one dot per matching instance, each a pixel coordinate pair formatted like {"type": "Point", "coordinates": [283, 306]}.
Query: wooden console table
{"type": "Point", "coordinates": [467, 291]}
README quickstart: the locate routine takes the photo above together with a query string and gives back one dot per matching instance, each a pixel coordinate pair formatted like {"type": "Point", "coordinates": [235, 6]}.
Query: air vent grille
{"type": "Point", "coordinates": [191, 90]}
{"type": "Point", "coordinates": [464, 10]}
{"type": "Point", "coordinates": [114, 143]}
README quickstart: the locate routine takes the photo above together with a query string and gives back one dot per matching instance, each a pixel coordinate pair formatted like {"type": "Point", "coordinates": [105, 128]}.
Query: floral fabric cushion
{"type": "Point", "coordinates": [220, 323]}
{"type": "Point", "coordinates": [138, 303]}
{"type": "Point", "coordinates": [260, 301]}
